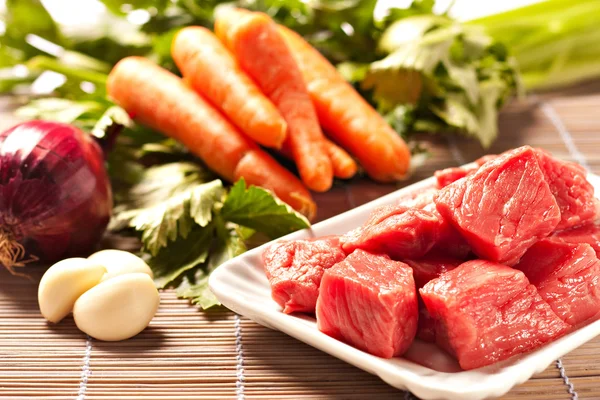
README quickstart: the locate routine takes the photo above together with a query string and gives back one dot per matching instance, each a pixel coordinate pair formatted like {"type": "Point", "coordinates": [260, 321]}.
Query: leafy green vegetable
{"type": "Point", "coordinates": [187, 223]}
{"type": "Point", "coordinates": [28, 17]}
{"type": "Point", "coordinates": [173, 218]}
{"type": "Point", "coordinates": [258, 209]}
{"type": "Point", "coordinates": [555, 42]}
{"type": "Point", "coordinates": [56, 109]}
{"type": "Point", "coordinates": [453, 77]}
{"type": "Point", "coordinates": [196, 289]}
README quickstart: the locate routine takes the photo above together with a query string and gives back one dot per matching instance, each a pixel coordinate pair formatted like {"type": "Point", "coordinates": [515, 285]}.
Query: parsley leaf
{"type": "Point", "coordinates": [260, 210]}
{"type": "Point", "coordinates": [175, 217]}
{"type": "Point", "coordinates": [182, 255]}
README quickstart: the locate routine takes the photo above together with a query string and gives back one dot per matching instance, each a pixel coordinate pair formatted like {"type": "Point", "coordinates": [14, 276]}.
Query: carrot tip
{"type": "Point", "coordinates": [308, 208]}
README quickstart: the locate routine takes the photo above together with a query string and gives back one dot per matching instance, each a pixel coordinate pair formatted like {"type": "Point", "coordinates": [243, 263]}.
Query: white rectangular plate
{"type": "Point", "coordinates": [430, 374]}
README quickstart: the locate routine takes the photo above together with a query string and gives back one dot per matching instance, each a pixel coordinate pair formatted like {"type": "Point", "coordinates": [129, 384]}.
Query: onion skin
{"type": "Point", "coordinates": [55, 195]}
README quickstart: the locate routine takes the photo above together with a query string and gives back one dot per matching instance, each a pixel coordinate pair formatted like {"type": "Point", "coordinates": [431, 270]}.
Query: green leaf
{"type": "Point", "coordinates": [72, 71]}
{"type": "Point", "coordinates": [56, 109]}
{"type": "Point", "coordinates": [465, 78]}
{"type": "Point", "coordinates": [162, 182]}
{"type": "Point", "coordinates": [260, 210]}
{"type": "Point", "coordinates": [120, 7]}
{"type": "Point", "coordinates": [182, 255]}
{"type": "Point", "coordinates": [175, 217]}
{"type": "Point", "coordinates": [11, 80]}
{"type": "Point", "coordinates": [457, 113]}
{"type": "Point", "coordinates": [230, 244]}
{"type": "Point", "coordinates": [408, 30]}
{"type": "Point", "coordinates": [199, 293]}
{"type": "Point", "coordinates": [492, 93]}
{"type": "Point", "coordinates": [29, 17]}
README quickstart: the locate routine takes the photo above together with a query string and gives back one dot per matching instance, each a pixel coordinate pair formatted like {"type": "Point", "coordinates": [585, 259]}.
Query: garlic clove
{"type": "Point", "coordinates": [119, 262]}
{"type": "Point", "coordinates": [118, 308]}
{"type": "Point", "coordinates": [63, 283]}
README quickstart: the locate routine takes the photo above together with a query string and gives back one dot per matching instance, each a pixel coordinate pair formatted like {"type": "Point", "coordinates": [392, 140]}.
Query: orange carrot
{"type": "Point", "coordinates": [344, 167]}
{"type": "Point", "coordinates": [257, 166]}
{"type": "Point", "coordinates": [213, 72]}
{"type": "Point", "coordinates": [161, 100]}
{"type": "Point", "coordinates": [261, 51]}
{"type": "Point", "coordinates": [347, 117]}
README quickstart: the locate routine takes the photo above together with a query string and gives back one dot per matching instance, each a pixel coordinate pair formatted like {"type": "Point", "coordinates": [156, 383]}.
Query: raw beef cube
{"type": "Point", "coordinates": [426, 326]}
{"type": "Point", "coordinates": [370, 302]}
{"type": "Point", "coordinates": [397, 231]}
{"type": "Point", "coordinates": [573, 193]}
{"type": "Point", "coordinates": [487, 312]}
{"type": "Point", "coordinates": [431, 267]}
{"type": "Point", "coordinates": [450, 242]}
{"type": "Point", "coordinates": [294, 269]}
{"type": "Point", "coordinates": [488, 157]}
{"type": "Point", "coordinates": [502, 209]}
{"type": "Point", "coordinates": [589, 234]}
{"type": "Point", "coordinates": [446, 176]}
{"type": "Point", "coordinates": [424, 270]}
{"type": "Point", "coordinates": [419, 200]}
{"type": "Point", "coordinates": [567, 276]}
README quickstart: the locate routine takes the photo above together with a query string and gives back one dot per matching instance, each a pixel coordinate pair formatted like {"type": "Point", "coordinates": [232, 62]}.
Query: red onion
{"type": "Point", "coordinates": [55, 196]}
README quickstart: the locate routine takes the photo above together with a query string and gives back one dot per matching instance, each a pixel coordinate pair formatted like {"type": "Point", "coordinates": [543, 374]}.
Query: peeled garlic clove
{"type": "Point", "coordinates": [118, 308]}
{"type": "Point", "coordinates": [63, 283]}
{"type": "Point", "coordinates": [119, 262]}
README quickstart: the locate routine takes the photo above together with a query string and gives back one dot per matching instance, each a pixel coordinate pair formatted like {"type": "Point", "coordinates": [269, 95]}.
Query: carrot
{"type": "Point", "coordinates": [257, 166]}
{"type": "Point", "coordinates": [344, 167]}
{"type": "Point", "coordinates": [347, 117]}
{"type": "Point", "coordinates": [161, 100]}
{"type": "Point", "coordinates": [213, 72]}
{"type": "Point", "coordinates": [261, 51]}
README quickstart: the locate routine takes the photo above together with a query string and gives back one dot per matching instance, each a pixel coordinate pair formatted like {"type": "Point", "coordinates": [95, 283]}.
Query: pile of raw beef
{"type": "Point", "coordinates": [497, 260]}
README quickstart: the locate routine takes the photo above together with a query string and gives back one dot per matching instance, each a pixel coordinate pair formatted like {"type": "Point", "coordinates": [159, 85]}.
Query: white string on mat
{"type": "Point", "coordinates": [239, 349]}
{"type": "Point", "coordinates": [455, 151]}
{"type": "Point", "coordinates": [565, 378]}
{"type": "Point", "coordinates": [564, 133]}
{"type": "Point", "coordinates": [85, 369]}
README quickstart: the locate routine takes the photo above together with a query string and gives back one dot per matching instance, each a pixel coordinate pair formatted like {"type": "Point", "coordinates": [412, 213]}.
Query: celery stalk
{"type": "Point", "coordinates": [555, 42]}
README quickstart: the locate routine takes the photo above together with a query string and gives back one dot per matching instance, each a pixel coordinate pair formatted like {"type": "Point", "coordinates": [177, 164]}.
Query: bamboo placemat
{"type": "Point", "coordinates": [189, 354]}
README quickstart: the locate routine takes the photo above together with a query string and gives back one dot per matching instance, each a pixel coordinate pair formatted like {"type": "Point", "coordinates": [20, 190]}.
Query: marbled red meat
{"type": "Point", "coordinates": [567, 276]}
{"type": "Point", "coordinates": [487, 312]}
{"type": "Point", "coordinates": [426, 326]}
{"type": "Point", "coordinates": [424, 270]}
{"type": "Point", "coordinates": [421, 199]}
{"type": "Point", "coordinates": [294, 269]}
{"type": "Point", "coordinates": [573, 193]}
{"type": "Point", "coordinates": [449, 241]}
{"type": "Point", "coordinates": [370, 302]}
{"type": "Point", "coordinates": [431, 267]}
{"type": "Point", "coordinates": [502, 209]}
{"type": "Point", "coordinates": [397, 231]}
{"type": "Point", "coordinates": [589, 234]}
{"type": "Point", "coordinates": [447, 176]}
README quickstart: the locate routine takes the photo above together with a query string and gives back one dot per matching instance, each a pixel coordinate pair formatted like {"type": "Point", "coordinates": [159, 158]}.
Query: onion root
{"type": "Point", "coordinates": [12, 254]}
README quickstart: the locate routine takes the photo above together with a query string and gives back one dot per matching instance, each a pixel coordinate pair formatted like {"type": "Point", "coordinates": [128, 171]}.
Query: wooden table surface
{"type": "Point", "coordinates": [189, 354]}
